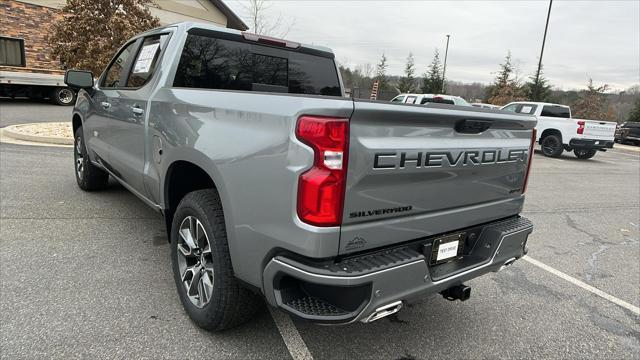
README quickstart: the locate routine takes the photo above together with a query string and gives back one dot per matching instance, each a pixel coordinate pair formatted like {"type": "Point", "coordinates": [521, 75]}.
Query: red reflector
{"type": "Point", "coordinates": [526, 176]}
{"type": "Point", "coordinates": [321, 188]}
{"type": "Point", "coordinates": [581, 127]}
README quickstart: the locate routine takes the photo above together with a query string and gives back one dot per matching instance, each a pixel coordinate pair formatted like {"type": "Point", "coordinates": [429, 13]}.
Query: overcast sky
{"type": "Point", "coordinates": [597, 39]}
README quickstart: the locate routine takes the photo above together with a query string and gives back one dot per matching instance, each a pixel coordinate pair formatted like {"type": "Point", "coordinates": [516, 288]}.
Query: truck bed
{"type": "Point", "coordinates": [37, 77]}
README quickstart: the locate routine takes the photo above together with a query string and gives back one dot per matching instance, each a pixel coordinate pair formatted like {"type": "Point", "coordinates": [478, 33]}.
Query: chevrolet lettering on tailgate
{"type": "Point", "coordinates": [430, 159]}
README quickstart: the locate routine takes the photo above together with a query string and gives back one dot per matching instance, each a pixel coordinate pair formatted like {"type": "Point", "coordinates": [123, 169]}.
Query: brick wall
{"type": "Point", "coordinates": [31, 23]}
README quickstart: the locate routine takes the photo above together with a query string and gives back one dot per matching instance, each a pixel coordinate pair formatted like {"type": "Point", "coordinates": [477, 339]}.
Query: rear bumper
{"type": "Point", "coordinates": [591, 144]}
{"type": "Point", "coordinates": [355, 289]}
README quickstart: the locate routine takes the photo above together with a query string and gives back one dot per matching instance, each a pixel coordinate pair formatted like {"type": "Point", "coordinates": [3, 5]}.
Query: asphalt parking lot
{"type": "Point", "coordinates": [21, 111]}
{"type": "Point", "coordinates": [87, 275]}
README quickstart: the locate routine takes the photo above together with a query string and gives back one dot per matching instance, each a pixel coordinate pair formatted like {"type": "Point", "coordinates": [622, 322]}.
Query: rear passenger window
{"type": "Point", "coordinates": [146, 60]}
{"type": "Point", "coordinates": [526, 109]}
{"type": "Point", "coordinates": [211, 63]}
{"type": "Point", "coordinates": [555, 111]}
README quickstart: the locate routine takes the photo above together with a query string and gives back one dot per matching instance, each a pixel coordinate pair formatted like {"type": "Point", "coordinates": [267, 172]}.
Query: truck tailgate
{"type": "Point", "coordinates": [599, 130]}
{"type": "Point", "coordinates": [415, 171]}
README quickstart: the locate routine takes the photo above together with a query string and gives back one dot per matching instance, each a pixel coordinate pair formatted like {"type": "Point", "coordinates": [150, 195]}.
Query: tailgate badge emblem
{"type": "Point", "coordinates": [356, 243]}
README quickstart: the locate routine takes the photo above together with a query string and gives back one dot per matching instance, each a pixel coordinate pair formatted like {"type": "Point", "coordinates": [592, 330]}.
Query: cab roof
{"type": "Point", "coordinates": [189, 25]}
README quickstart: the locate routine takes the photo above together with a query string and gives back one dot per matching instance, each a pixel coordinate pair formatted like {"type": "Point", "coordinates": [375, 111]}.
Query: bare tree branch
{"type": "Point", "coordinates": [262, 23]}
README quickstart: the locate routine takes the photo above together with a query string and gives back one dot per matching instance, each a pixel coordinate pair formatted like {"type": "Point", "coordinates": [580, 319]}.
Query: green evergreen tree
{"type": "Point", "coordinates": [505, 87]}
{"type": "Point", "coordinates": [634, 114]}
{"type": "Point", "coordinates": [407, 82]}
{"type": "Point", "coordinates": [592, 103]}
{"type": "Point", "coordinates": [538, 88]}
{"type": "Point", "coordinates": [432, 79]}
{"type": "Point", "coordinates": [381, 73]}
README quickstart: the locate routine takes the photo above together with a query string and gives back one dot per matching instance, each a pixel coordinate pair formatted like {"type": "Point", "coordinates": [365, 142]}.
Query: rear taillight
{"type": "Point", "coordinates": [321, 188]}
{"type": "Point", "coordinates": [581, 127]}
{"type": "Point", "coordinates": [526, 176]}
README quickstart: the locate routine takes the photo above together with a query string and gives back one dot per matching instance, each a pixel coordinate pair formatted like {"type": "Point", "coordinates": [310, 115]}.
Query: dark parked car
{"type": "Point", "coordinates": [628, 132]}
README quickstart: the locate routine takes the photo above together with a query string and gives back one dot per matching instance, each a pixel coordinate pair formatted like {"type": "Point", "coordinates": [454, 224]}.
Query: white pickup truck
{"type": "Point", "coordinates": [558, 131]}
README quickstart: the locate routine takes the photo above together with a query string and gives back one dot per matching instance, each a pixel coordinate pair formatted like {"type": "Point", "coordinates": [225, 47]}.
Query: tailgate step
{"type": "Point", "coordinates": [362, 264]}
{"type": "Point", "coordinates": [310, 305]}
{"type": "Point", "coordinates": [511, 225]}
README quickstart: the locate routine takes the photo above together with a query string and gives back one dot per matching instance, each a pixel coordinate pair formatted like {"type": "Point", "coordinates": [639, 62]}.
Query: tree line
{"type": "Point", "coordinates": [591, 102]}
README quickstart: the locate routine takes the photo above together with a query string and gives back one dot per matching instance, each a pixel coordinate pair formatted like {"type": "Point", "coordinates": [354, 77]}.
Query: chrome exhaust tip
{"type": "Point", "coordinates": [507, 264]}
{"type": "Point", "coordinates": [384, 311]}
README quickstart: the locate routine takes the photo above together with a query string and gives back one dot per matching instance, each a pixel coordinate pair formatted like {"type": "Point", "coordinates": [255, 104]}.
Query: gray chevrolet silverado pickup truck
{"type": "Point", "coordinates": [274, 185]}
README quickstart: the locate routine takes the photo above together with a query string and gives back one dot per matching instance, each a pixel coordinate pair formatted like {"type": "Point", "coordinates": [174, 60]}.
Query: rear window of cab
{"type": "Point", "coordinates": [208, 62]}
{"type": "Point", "coordinates": [556, 111]}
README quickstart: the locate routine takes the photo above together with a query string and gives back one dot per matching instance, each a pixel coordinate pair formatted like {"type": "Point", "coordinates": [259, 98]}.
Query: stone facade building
{"type": "Point", "coordinates": [25, 25]}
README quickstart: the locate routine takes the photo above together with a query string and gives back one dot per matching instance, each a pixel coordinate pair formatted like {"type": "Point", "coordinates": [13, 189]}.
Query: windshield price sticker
{"type": "Point", "coordinates": [143, 64]}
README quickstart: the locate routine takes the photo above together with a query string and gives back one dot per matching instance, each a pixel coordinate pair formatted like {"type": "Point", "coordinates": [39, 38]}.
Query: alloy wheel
{"type": "Point", "coordinates": [79, 158]}
{"type": "Point", "coordinates": [550, 145]}
{"type": "Point", "coordinates": [195, 261]}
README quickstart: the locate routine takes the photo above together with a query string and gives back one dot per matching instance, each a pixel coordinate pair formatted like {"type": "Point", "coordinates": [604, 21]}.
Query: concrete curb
{"type": "Point", "coordinates": [11, 132]}
{"type": "Point", "coordinates": [626, 147]}
{"type": "Point", "coordinates": [7, 140]}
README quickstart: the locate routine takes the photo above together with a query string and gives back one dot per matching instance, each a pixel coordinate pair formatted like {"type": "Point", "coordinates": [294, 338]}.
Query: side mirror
{"type": "Point", "coordinates": [78, 79]}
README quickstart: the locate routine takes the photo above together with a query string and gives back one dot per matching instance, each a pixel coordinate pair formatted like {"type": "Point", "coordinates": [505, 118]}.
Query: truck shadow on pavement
{"type": "Point", "coordinates": [570, 157]}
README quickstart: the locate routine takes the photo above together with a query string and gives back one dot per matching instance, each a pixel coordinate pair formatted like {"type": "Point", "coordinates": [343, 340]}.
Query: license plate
{"type": "Point", "coordinates": [447, 248]}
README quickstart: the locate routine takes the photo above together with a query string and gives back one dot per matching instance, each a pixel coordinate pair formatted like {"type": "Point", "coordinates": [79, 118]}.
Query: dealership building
{"type": "Point", "coordinates": [25, 27]}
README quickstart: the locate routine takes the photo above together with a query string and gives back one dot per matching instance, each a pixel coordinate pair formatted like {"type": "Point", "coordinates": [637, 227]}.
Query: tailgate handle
{"type": "Point", "coordinates": [468, 126]}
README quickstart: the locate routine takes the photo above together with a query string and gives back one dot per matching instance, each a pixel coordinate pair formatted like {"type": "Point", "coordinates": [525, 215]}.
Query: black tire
{"type": "Point", "coordinates": [88, 176]}
{"type": "Point", "coordinates": [229, 304]}
{"type": "Point", "coordinates": [551, 146]}
{"type": "Point", "coordinates": [63, 96]}
{"type": "Point", "coordinates": [584, 153]}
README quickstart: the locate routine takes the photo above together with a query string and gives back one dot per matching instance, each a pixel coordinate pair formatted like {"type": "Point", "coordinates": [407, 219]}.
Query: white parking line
{"type": "Point", "coordinates": [292, 339]}
{"type": "Point", "coordinates": [634, 309]}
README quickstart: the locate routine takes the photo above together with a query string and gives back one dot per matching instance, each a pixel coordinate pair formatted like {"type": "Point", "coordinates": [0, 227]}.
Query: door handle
{"type": "Point", "coordinates": [137, 111]}
{"type": "Point", "coordinates": [105, 105]}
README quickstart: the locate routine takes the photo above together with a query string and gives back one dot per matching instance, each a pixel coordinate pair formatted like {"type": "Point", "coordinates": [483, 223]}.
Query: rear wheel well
{"type": "Point", "coordinates": [182, 178]}
{"type": "Point", "coordinates": [76, 122]}
{"type": "Point", "coordinates": [548, 132]}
